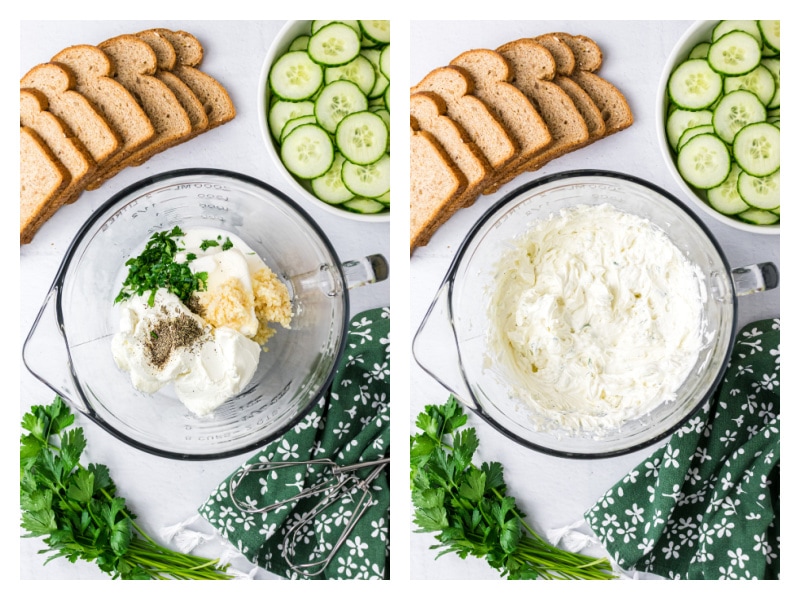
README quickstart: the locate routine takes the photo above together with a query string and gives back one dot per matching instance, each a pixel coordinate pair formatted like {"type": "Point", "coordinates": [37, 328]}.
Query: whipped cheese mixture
{"type": "Point", "coordinates": [596, 318]}
{"type": "Point", "coordinates": [209, 347]}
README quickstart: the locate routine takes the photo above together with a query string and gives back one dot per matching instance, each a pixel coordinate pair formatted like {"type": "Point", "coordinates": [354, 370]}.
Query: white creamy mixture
{"type": "Point", "coordinates": [596, 318]}
{"type": "Point", "coordinates": [215, 360]}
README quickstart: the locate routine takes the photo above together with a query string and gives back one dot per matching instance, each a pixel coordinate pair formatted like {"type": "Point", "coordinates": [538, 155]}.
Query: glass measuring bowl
{"type": "Point", "coordinates": [451, 342]}
{"type": "Point", "coordinates": [69, 345]}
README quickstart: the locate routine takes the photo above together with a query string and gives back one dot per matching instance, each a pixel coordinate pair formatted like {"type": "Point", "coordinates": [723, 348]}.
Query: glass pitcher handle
{"type": "Point", "coordinates": [755, 278]}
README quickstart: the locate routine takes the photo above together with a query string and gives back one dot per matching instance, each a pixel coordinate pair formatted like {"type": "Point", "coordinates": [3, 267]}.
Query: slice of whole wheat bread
{"type": "Point", "coordinates": [534, 69]}
{"type": "Point", "coordinates": [493, 78]}
{"type": "Point", "coordinates": [74, 109]}
{"type": "Point", "coordinates": [429, 112]}
{"type": "Point", "coordinates": [34, 115]}
{"type": "Point", "coordinates": [94, 73]}
{"type": "Point", "coordinates": [454, 87]}
{"type": "Point", "coordinates": [565, 66]}
{"type": "Point", "coordinates": [135, 67]}
{"type": "Point", "coordinates": [212, 94]}
{"type": "Point", "coordinates": [435, 182]}
{"type": "Point", "coordinates": [610, 101]}
{"type": "Point", "coordinates": [42, 178]}
{"type": "Point", "coordinates": [166, 60]}
{"type": "Point", "coordinates": [588, 55]}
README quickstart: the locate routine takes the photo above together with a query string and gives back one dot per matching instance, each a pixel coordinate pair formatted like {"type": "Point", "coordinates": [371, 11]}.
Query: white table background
{"type": "Point", "coordinates": [164, 492]}
{"type": "Point", "coordinates": [555, 492]}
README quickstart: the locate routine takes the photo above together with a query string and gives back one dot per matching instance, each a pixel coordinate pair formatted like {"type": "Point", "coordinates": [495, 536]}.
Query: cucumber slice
{"type": "Point", "coordinates": [329, 187]}
{"type": "Point", "coordinates": [735, 53]}
{"type": "Point", "coordinates": [385, 60]}
{"type": "Point", "coordinates": [377, 31]}
{"type": "Point", "coordinates": [727, 26]}
{"type": "Point", "coordinates": [774, 66]}
{"type": "Point", "coordinates": [362, 137]}
{"type": "Point", "coordinates": [282, 111]}
{"type": "Point", "coordinates": [337, 100]}
{"type": "Point", "coordinates": [385, 199]}
{"type": "Point", "coordinates": [725, 197]}
{"type": "Point", "coordinates": [365, 206]}
{"type": "Point", "coordinates": [757, 216]}
{"type": "Point", "coordinates": [771, 34]}
{"type": "Point", "coordinates": [734, 111]}
{"type": "Point", "coordinates": [761, 192]}
{"type": "Point", "coordinates": [693, 131]}
{"type": "Point", "coordinates": [299, 43]}
{"type": "Point", "coordinates": [369, 181]}
{"type": "Point", "coordinates": [760, 81]}
{"type": "Point", "coordinates": [679, 120]}
{"type": "Point", "coordinates": [382, 82]}
{"type": "Point", "coordinates": [694, 85]}
{"type": "Point", "coordinates": [307, 152]}
{"type": "Point", "coordinates": [757, 149]}
{"type": "Point", "coordinates": [383, 113]}
{"type": "Point", "coordinates": [704, 161]}
{"type": "Point", "coordinates": [294, 76]}
{"type": "Point", "coordinates": [700, 50]}
{"type": "Point", "coordinates": [295, 122]}
{"type": "Point", "coordinates": [334, 44]}
{"type": "Point", "coordinates": [359, 70]}
{"type": "Point", "coordinates": [320, 23]}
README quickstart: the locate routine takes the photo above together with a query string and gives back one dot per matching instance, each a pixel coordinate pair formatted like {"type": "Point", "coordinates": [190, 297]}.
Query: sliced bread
{"type": "Point", "coordinates": [212, 94]}
{"type": "Point", "coordinates": [612, 103]}
{"type": "Point", "coordinates": [166, 59]}
{"type": "Point", "coordinates": [455, 88]}
{"type": "Point", "coordinates": [34, 115]}
{"type": "Point", "coordinates": [492, 78]}
{"type": "Point", "coordinates": [534, 69]}
{"type": "Point", "coordinates": [42, 179]}
{"type": "Point", "coordinates": [565, 66]}
{"type": "Point", "coordinates": [94, 74]}
{"type": "Point", "coordinates": [135, 68]}
{"type": "Point", "coordinates": [57, 84]}
{"type": "Point", "coordinates": [429, 110]}
{"type": "Point", "coordinates": [435, 183]}
{"type": "Point", "coordinates": [588, 55]}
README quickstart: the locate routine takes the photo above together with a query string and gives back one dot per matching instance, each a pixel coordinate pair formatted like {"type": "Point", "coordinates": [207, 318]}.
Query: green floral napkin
{"type": "Point", "coordinates": [350, 425]}
{"type": "Point", "coordinates": [706, 505]}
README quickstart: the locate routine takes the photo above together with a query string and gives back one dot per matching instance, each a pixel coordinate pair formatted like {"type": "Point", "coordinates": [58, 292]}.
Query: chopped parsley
{"type": "Point", "coordinates": [226, 245]}
{"type": "Point", "coordinates": [156, 268]}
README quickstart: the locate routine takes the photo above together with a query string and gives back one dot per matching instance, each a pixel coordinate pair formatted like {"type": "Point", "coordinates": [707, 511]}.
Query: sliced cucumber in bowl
{"type": "Point", "coordinates": [329, 112]}
{"type": "Point", "coordinates": [733, 165]}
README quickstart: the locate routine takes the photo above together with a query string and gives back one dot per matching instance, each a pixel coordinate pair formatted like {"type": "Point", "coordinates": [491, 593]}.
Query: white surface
{"type": "Point", "coordinates": [555, 492]}
{"type": "Point", "coordinates": [165, 492]}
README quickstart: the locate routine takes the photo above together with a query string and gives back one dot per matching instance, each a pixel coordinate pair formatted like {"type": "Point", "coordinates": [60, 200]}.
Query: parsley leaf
{"type": "Point", "coordinates": [77, 513]}
{"type": "Point", "coordinates": [468, 510]}
{"type": "Point", "coordinates": [156, 268]}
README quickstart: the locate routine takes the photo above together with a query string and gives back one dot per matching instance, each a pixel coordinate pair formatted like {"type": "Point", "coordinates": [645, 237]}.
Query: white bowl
{"type": "Point", "coordinates": [279, 45]}
{"type": "Point", "coordinates": [698, 32]}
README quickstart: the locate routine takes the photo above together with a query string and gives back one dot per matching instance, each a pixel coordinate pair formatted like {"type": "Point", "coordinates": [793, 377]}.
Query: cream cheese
{"type": "Point", "coordinates": [596, 318]}
{"type": "Point", "coordinates": [215, 366]}
{"type": "Point", "coordinates": [211, 351]}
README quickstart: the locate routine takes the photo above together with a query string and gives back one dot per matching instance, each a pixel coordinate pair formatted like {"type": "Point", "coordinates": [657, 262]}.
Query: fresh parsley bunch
{"type": "Point", "coordinates": [76, 509]}
{"type": "Point", "coordinates": [469, 511]}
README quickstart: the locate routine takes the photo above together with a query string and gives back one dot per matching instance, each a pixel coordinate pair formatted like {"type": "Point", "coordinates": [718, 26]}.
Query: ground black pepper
{"type": "Point", "coordinates": [170, 333]}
